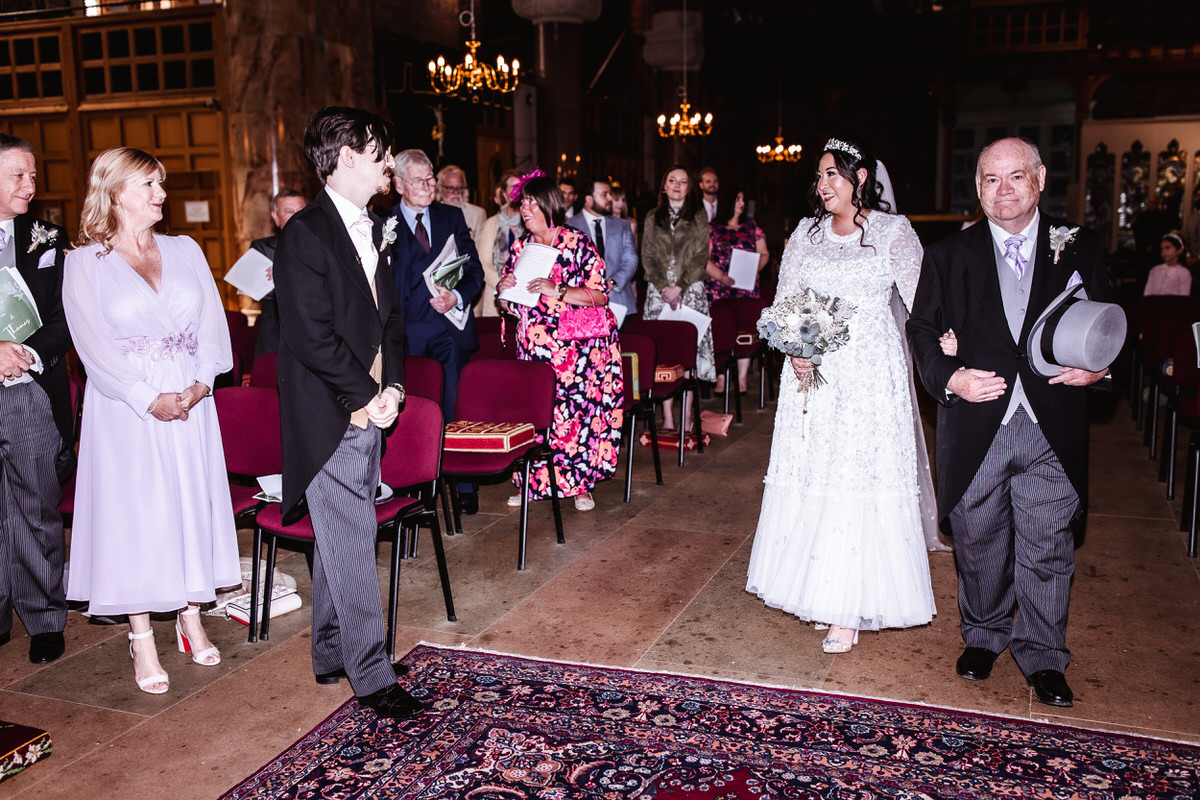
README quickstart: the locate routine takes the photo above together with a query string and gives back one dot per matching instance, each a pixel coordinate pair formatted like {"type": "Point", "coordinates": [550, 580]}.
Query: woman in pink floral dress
{"type": "Point", "coordinates": [586, 433]}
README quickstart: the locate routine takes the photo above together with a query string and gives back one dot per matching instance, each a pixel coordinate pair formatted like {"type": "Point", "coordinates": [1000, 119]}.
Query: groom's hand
{"type": "Point", "coordinates": [976, 385]}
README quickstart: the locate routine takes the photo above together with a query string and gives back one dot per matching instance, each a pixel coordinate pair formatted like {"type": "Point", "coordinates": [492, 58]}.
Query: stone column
{"type": "Point", "coordinates": [557, 71]}
{"type": "Point", "coordinates": [287, 58]}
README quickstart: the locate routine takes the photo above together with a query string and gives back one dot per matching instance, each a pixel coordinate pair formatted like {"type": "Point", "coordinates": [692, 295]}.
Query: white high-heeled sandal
{"type": "Point", "coordinates": [149, 680]}
{"type": "Point", "coordinates": [203, 657]}
{"type": "Point", "coordinates": [838, 646]}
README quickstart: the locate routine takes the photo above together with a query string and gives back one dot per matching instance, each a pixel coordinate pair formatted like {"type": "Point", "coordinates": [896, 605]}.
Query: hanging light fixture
{"type": "Point", "coordinates": [779, 151]}
{"type": "Point", "coordinates": [472, 76]}
{"type": "Point", "coordinates": [684, 122]}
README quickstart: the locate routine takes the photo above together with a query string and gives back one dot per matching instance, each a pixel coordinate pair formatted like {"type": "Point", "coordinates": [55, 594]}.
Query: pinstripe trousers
{"type": "Point", "coordinates": [31, 532]}
{"type": "Point", "coordinates": [348, 628]}
{"type": "Point", "coordinates": [1015, 550]}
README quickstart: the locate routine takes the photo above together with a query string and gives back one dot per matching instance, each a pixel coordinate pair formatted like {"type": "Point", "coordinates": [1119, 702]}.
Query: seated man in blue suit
{"type": "Point", "coordinates": [422, 230]}
{"type": "Point", "coordinates": [613, 239]}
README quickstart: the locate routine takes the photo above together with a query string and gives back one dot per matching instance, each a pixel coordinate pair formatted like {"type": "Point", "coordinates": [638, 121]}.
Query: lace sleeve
{"type": "Point", "coordinates": [906, 253]}
{"type": "Point", "coordinates": [789, 263]}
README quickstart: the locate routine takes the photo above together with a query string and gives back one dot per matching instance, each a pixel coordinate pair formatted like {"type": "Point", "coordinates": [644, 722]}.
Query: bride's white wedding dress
{"type": "Point", "coordinates": [840, 537]}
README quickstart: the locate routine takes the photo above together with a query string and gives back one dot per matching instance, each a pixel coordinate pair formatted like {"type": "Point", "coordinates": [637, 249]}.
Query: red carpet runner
{"type": "Point", "coordinates": [505, 728]}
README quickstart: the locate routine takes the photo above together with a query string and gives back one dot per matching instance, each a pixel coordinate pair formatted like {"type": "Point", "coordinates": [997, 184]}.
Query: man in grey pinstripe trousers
{"type": "Point", "coordinates": [341, 373]}
{"type": "Point", "coordinates": [35, 417]}
{"type": "Point", "coordinates": [1011, 446]}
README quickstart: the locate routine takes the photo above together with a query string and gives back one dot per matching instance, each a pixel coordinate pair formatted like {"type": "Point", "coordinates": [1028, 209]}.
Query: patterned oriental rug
{"type": "Point", "coordinates": [505, 728]}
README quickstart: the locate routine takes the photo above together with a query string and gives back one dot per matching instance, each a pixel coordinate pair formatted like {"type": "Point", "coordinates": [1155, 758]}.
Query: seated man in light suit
{"type": "Point", "coordinates": [422, 229]}
{"type": "Point", "coordinates": [613, 238]}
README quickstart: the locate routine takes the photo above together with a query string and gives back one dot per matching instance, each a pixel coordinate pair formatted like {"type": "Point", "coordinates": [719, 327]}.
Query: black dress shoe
{"type": "Point", "coordinates": [45, 647]}
{"type": "Point", "coordinates": [1050, 687]}
{"type": "Point", "coordinates": [975, 663]}
{"type": "Point", "coordinates": [468, 503]}
{"type": "Point", "coordinates": [392, 702]}
{"type": "Point", "coordinates": [296, 513]}
{"type": "Point", "coordinates": [330, 678]}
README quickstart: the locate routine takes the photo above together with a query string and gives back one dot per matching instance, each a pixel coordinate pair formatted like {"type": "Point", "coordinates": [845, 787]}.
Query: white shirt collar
{"type": "Point", "coordinates": [346, 209]}
{"type": "Point", "coordinates": [1000, 236]}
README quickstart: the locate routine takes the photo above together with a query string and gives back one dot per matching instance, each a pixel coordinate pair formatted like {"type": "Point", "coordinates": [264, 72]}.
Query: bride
{"type": "Point", "coordinates": [840, 537]}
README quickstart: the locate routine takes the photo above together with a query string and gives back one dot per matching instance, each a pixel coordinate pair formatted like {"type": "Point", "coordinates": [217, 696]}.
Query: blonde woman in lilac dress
{"type": "Point", "coordinates": [153, 527]}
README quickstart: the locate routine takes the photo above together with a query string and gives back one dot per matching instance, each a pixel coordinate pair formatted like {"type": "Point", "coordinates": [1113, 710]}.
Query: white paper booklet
{"type": "Point", "coordinates": [458, 317]}
{"type": "Point", "coordinates": [249, 275]}
{"type": "Point", "coordinates": [743, 268]}
{"type": "Point", "coordinates": [536, 261]}
{"type": "Point", "coordinates": [688, 314]}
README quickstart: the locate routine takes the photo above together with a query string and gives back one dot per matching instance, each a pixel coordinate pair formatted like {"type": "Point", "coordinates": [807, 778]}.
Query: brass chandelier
{"type": "Point", "coordinates": [684, 122]}
{"type": "Point", "coordinates": [472, 76]}
{"type": "Point", "coordinates": [779, 151]}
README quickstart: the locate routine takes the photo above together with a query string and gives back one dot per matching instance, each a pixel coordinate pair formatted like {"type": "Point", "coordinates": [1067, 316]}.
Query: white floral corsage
{"type": "Point", "coordinates": [389, 233]}
{"type": "Point", "coordinates": [41, 235]}
{"type": "Point", "coordinates": [1061, 237]}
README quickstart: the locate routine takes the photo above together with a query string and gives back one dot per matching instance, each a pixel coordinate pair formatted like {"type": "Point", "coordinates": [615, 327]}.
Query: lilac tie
{"type": "Point", "coordinates": [1012, 254]}
{"type": "Point", "coordinates": [3, 240]}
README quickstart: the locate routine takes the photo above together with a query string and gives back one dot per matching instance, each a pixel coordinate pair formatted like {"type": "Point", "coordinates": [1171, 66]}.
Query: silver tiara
{"type": "Point", "coordinates": [845, 147]}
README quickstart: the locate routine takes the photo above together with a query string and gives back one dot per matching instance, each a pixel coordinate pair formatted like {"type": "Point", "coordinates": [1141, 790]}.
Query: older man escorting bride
{"type": "Point", "coordinates": [840, 537]}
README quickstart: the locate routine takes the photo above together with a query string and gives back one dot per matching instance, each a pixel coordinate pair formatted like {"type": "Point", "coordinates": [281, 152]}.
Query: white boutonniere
{"type": "Point", "coordinates": [41, 235]}
{"type": "Point", "coordinates": [389, 233]}
{"type": "Point", "coordinates": [1061, 237]}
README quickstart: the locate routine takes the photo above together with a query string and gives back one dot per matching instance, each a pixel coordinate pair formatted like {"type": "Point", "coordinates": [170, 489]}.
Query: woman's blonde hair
{"type": "Point", "coordinates": [99, 222]}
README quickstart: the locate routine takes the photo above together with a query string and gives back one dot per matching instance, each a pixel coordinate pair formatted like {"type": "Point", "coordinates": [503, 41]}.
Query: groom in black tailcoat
{"type": "Point", "coordinates": [1012, 447]}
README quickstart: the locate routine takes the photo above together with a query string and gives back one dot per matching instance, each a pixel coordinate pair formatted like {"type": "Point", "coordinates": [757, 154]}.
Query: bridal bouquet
{"type": "Point", "coordinates": [807, 325]}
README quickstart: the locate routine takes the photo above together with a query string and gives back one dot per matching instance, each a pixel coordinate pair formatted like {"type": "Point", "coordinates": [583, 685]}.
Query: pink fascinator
{"type": "Point", "coordinates": [516, 192]}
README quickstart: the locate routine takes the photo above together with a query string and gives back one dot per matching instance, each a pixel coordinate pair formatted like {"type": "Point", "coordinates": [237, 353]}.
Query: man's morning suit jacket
{"type": "Point", "coordinates": [52, 341]}
{"type": "Point", "coordinates": [330, 330]}
{"type": "Point", "coordinates": [620, 257]}
{"type": "Point", "coordinates": [959, 288]}
{"type": "Point", "coordinates": [422, 322]}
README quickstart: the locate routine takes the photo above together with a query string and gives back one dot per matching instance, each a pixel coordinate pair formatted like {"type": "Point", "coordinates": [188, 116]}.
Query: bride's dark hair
{"type": "Point", "coordinates": [868, 196]}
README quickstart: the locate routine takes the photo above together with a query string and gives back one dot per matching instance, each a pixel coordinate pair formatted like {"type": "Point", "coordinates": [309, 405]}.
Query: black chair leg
{"type": "Point", "coordinates": [737, 405]}
{"type": "Point", "coordinates": [1139, 406]}
{"type": "Point", "coordinates": [630, 425]}
{"type": "Point", "coordinates": [255, 555]}
{"type": "Point", "coordinates": [683, 398]}
{"type": "Point", "coordinates": [653, 424]}
{"type": "Point", "coordinates": [444, 491]}
{"type": "Point", "coordinates": [267, 585]}
{"type": "Point", "coordinates": [524, 515]}
{"type": "Point", "coordinates": [1194, 486]}
{"type": "Point", "coordinates": [398, 546]}
{"type": "Point", "coordinates": [554, 501]}
{"type": "Point", "coordinates": [1189, 481]}
{"type": "Point", "coordinates": [1166, 461]}
{"type": "Point", "coordinates": [439, 550]}
{"type": "Point", "coordinates": [696, 419]}
{"type": "Point", "coordinates": [1150, 439]}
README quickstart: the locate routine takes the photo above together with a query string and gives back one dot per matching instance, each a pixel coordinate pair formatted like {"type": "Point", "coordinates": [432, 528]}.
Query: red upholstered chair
{"type": "Point", "coordinates": [676, 344]}
{"type": "Point", "coordinates": [243, 338]}
{"type": "Point", "coordinates": [503, 391]}
{"type": "Point", "coordinates": [249, 419]}
{"type": "Point", "coordinates": [263, 374]}
{"type": "Point", "coordinates": [487, 325]}
{"type": "Point", "coordinates": [641, 405]}
{"type": "Point", "coordinates": [412, 457]}
{"type": "Point", "coordinates": [1150, 352]}
{"type": "Point", "coordinates": [424, 377]}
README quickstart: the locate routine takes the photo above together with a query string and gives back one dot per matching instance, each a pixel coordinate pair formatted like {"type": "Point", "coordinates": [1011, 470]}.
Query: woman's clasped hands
{"type": "Point", "coordinates": [170, 406]}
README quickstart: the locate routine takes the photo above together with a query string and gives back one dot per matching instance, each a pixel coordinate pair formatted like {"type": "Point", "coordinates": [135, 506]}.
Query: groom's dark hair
{"type": "Point", "coordinates": [335, 127]}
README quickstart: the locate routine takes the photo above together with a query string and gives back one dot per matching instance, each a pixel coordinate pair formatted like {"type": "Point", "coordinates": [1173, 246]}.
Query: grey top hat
{"type": "Point", "coordinates": [1075, 332]}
